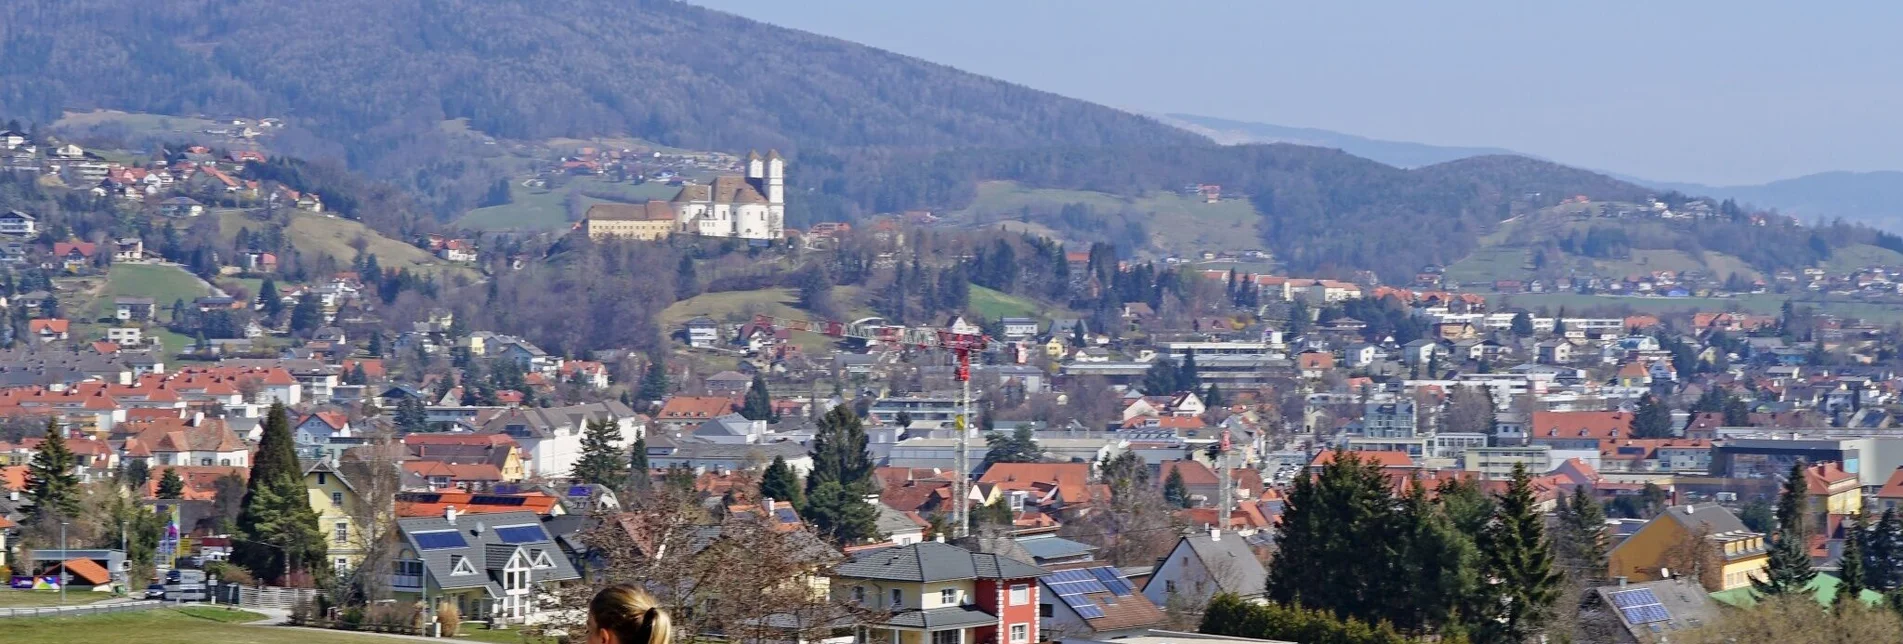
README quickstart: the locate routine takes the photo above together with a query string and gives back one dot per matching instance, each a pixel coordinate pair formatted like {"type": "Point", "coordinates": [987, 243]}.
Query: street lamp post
{"type": "Point", "coordinates": [64, 575]}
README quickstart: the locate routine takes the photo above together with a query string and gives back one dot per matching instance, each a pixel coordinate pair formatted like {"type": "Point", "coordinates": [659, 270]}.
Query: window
{"type": "Point", "coordinates": [948, 596]}
{"type": "Point", "coordinates": [342, 534]}
{"type": "Point", "coordinates": [1044, 610]}
{"type": "Point", "coordinates": [224, 462]}
{"type": "Point", "coordinates": [1020, 594]}
{"type": "Point", "coordinates": [859, 594]}
{"type": "Point", "coordinates": [1020, 633]}
{"type": "Point", "coordinates": [459, 565]}
{"type": "Point", "coordinates": [898, 598]}
{"type": "Point", "coordinates": [1169, 586]}
{"type": "Point", "coordinates": [337, 499]}
{"type": "Point", "coordinates": [955, 636]}
{"type": "Point", "coordinates": [321, 479]}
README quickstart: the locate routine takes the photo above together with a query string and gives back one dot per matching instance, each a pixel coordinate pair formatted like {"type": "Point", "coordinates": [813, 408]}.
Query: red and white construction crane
{"type": "Point", "coordinates": [960, 342]}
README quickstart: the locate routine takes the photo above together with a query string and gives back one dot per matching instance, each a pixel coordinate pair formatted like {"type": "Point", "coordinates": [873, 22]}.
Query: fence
{"type": "Point", "coordinates": [266, 597]}
{"type": "Point", "coordinates": [53, 611]}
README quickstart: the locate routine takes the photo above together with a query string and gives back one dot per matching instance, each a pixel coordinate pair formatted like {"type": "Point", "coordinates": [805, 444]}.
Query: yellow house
{"type": "Point", "coordinates": [646, 221]}
{"type": "Point", "coordinates": [341, 513]}
{"type": "Point", "coordinates": [1671, 541]}
{"type": "Point", "coordinates": [1831, 491]}
{"type": "Point", "coordinates": [1054, 348]}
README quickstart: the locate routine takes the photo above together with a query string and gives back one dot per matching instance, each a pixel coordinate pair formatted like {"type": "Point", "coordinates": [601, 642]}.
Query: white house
{"type": "Point", "coordinates": [550, 437]}
{"type": "Point", "coordinates": [750, 207]}
{"type": "Point", "coordinates": [1204, 564]}
{"type": "Point", "coordinates": [18, 224]}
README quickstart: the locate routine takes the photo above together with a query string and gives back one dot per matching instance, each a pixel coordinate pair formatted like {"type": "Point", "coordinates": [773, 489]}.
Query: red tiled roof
{"type": "Point", "coordinates": [1892, 488]}
{"type": "Point", "coordinates": [695, 407]}
{"type": "Point", "coordinates": [1819, 478]}
{"type": "Point", "coordinates": [1600, 425]}
{"type": "Point", "coordinates": [534, 502]}
{"type": "Point", "coordinates": [1072, 480]}
{"type": "Point", "coordinates": [87, 571]}
{"type": "Point", "coordinates": [1384, 459]}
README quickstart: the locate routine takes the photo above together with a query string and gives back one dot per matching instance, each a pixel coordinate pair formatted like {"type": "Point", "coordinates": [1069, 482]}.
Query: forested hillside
{"type": "Point", "coordinates": [1323, 209]}
{"type": "Point", "coordinates": [661, 70]}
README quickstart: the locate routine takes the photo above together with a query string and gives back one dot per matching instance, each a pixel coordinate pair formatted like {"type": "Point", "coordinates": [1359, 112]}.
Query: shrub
{"type": "Point", "coordinates": [449, 618]}
{"type": "Point", "coordinates": [228, 572]}
{"type": "Point", "coordinates": [352, 618]}
{"type": "Point", "coordinates": [303, 612]}
{"type": "Point", "coordinates": [1230, 615]}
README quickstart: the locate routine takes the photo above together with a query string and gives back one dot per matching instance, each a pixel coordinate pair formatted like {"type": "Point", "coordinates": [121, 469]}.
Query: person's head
{"type": "Point", "coordinates": [626, 615]}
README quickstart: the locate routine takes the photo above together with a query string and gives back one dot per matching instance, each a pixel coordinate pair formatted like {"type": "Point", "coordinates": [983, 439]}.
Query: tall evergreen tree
{"type": "Point", "coordinates": [686, 278]}
{"type": "Point", "coordinates": [1883, 552]}
{"type": "Point", "coordinates": [1212, 397]}
{"type": "Point", "coordinates": [781, 483]}
{"type": "Point", "coordinates": [1653, 420]}
{"type": "Point", "coordinates": [1737, 413]}
{"type": "Point", "coordinates": [839, 453]}
{"type": "Point", "coordinates": [1334, 552]}
{"type": "Point", "coordinates": [1162, 378]}
{"type": "Point", "coordinates": [1581, 539]}
{"type": "Point", "coordinates": [270, 299]}
{"type": "Point", "coordinates": [1850, 573]}
{"type": "Point", "coordinates": [1522, 325]}
{"type": "Point", "coordinates": [1789, 571]}
{"type": "Point", "coordinates": [654, 382]}
{"type": "Point", "coordinates": [602, 462]}
{"type": "Point", "coordinates": [1519, 563]}
{"type": "Point", "coordinates": [759, 403]}
{"type": "Point", "coordinates": [638, 468]}
{"type": "Point", "coordinates": [841, 515]}
{"type": "Point", "coordinates": [1175, 490]}
{"type": "Point", "coordinates": [51, 480]}
{"type": "Point", "coordinates": [1019, 446]}
{"type": "Point", "coordinates": [1437, 567]}
{"type": "Point", "coordinates": [1188, 377]}
{"type": "Point", "coordinates": [307, 315]}
{"type": "Point", "coordinates": [278, 531]}
{"type": "Point", "coordinates": [411, 416]}
{"type": "Point", "coordinates": [170, 485]}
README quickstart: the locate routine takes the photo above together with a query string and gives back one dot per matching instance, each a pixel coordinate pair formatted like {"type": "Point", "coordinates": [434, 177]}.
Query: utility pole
{"type": "Point", "coordinates": [64, 575]}
{"type": "Point", "coordinates": [1225, 484]}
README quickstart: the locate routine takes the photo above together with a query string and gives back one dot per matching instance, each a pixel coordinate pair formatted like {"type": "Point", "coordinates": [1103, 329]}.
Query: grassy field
{"type": "Point", "coordinates": [1488, 265]}
{"type": "Point", "coordinates": [1764, 303]}
{"type": "Point", "coordinates": [741, 306]}
{"type": "Point", "coordinates": [196, 625]}
{"type": "Point", "coordinates": [138, 122]}
{"type": "Point", "coordinates": [315, 234]}
{"type": "Point", "coordinates": [1857, 256]}
{"type": "Point", "coordinates": [1177, 225]}
{"type": "Point", "coordinates": [38, 598]}
{"type": "Point", "coordinates": [994, 304]}
{"type": "Point", "coordinates": [164, 284]}
{"type": "Point", "coordinates": [544, 209]}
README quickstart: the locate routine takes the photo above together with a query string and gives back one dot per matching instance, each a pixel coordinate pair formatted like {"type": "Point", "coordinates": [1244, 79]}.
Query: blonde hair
{"type": "Point", "coordinates": [631, 614]}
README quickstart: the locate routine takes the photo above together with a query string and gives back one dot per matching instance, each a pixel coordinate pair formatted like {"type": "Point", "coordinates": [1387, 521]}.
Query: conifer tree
{"type": "Point", "coordinates": [269, 298]}
{"type": "Point", "coordinates": [841, 515]}
{"type": "Point", "coordinates": [1212, 397]}
{"type": "Point", "coordinates": [1188, 377]}
{"type": "Point", "coordinates": [839, 453]}
{"type": "Point", "coordinates": [1174, 489]}
{"type": "Point", "coordinates": [1437, 568]}
{"type": "Point", "coordinates": [1653, 419]}
{"type": "Point", "coordinates": [781, 483]}
{"type": "Point", "coordinates": [759, 403]}
{"type": "Point", "coordinates": [1162, 378]}
{"type": "Point", "coordinates": [307, 315]}
{"type": "Point", "coordinates": [1789, 571]}
{"type": "Point", "coordinates": [277, 528]}
{"type": "Point", "coordinates": [638, 468]}
{"type": "Point", "coordinates": [51, 482]}
{"type": "Point", "coordinates": [602, 462]}
{"type": "Point", "coordinates": [654, 382]}
{"type": "Point", "coordinates": [1334, 552]}
{"type": "Point", "coordinates": [1883, 552]}
{"type": "Point", "coordinates": [1519, 563]}
{"type": "Point", "coordinates": [1850, 573]}
{"type": "Point", "coordinates": [170, 485]}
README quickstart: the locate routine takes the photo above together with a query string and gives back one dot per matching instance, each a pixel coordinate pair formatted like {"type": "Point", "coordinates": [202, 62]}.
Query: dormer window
{"type": "Point", "coordinates": [459, 565]}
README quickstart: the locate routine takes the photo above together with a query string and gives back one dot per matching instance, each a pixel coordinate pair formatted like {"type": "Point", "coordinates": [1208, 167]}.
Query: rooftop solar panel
{"type": "Point", "coordinates": [786, 515]}
{"type": "Point", "coordinates": [1640, 606]}
{"type": "Point", "coordinates": [1112, 580]}
{"type": "Point", "coordinates": [1636, 597]}
{"type": "Point", "coordinates": [440, 540]}
{"type": "Point", "coordinates": [517, 534]}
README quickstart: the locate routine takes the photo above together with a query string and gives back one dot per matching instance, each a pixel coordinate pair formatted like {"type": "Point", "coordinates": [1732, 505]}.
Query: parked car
{"type": "Point", "coordinates": [155, 591]}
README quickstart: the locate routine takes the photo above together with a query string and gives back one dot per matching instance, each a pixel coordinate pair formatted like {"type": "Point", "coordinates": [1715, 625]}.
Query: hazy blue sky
{"type": "Point", "coordinates": [1715, 92]}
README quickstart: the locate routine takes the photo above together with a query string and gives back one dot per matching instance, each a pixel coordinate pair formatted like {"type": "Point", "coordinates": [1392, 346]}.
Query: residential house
{"type": "Point", "coordinates": [1657, 547]}
{"type": "Point", "coordinates": [492, 566]}
{"type": "Point", "coordinates": [1203, 564]}
{"type": "Point", "coordinates": [550, 437]}
{"type": "Point", "coordinates": [681, 412]}
{"type": "Point", "coordinates": [493, 450]}
{"type": "Point", "coordinates": [14, 223]}
{"type": "Point", "coordinates": [702, 332]}
{"type": "Point", "coordinates": [341, 510]}
{"type": "Point", "coordinates": [1096, 602]}
{"type": "Point", "coordinates": [936, 593]}
{"type": "Point", "coordinates": [1578, 429]}
{"type": "Point", "coordinates": [1652, 612]}
{"type": "Point", "coordinates": [133, 309]}
{"type": "Point", "coordinates": [728, 383]}
{"type": "Point", "coordinates": [702, 456]}
{"type": "Point", "coordinates": [49, 330]}
{"type": "Point", "coordinates": [181, 207]}
{"type": "Point", "coordinates": [1831, 492]}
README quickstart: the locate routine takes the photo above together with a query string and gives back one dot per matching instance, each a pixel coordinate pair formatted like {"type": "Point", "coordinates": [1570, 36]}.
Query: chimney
{"type": "Point", "coordinates": [449, 514]}
{"type": "Point", "coordinates": [1215, 533]}
{"type": "Point", "coordinates": [1620, 579]}
{"type": "Point", "coordinates": [768, 504]}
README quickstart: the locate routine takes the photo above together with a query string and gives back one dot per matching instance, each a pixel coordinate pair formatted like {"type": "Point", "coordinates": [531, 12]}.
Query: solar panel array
{"type": "Point", "coordinates": [518, 534]}
{"type": "Point", "coordinates": [1640, 606]}
{"type": "Point", "coordinates": [786, 515]}
{"type": "Point", "coordinates": [440, 540]}
{"type": "Point", "coordinates": [491, 499]}
{"type": "Point", "coordinates": [1074, 586]}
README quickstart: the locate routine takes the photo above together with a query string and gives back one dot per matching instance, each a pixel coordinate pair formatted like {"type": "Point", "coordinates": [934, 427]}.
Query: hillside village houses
{"type": "Point", "coordinates": [484, 429]}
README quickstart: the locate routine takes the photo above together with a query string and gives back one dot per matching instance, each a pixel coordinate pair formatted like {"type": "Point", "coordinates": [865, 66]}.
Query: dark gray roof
{"type": "Point", "coordinates": [1686, 605]}
{"type": "Point", "coordinates": [541, 422]}
{"type": "Point", "coordinates": [1711, 516]}
{"type": "Point", "coordinates": [1230, 562]}
{"type": "Point", "coordinates": [728, 425]}
{"type": "Point", "coordinates": [484, 549]}
{"type": "Point", "coordinates": [932, 561]}
{"type": "Point", "coordinates": [937, 618]}
{"type": "Point", "coordinates": [1055, 547]}
{"type": "Point", "coordinates": [720, 451]}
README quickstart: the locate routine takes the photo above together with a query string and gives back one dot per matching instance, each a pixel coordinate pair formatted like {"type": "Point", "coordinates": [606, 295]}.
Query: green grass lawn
{"type": "Point", "coordinates": [38, 598]}
{"type": "Point", "coordinates": [197, 625]}
{"type": "Point", "coordinates": [1857, 256]}
{"type": "Point", "coordinates": [544, 209]}
{"type": "Point", "coordinates": [1488, 265]}
{"type": "Point", "coordinates": [994, 304]}
{"type": "Point", "coordinates": [1177, 224]}
{"type": "Point", "coordinates": [321, 234]}
{"type": "Point", "coordinates": [474, 632]}
{"type": "Point", "coordinates": [164, 284]}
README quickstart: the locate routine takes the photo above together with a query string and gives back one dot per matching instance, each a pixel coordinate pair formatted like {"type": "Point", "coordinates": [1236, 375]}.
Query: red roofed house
{"type": "Point", "coordinates": [433, 504]}
{"type": "Point", "coordinates": [1890, 497]}
{"type": "Point", "coordinates": [682, 412]}
{"type": "Point", "coordinates": [1054, 485]}
{"type": "Point", "coordinates": [48, 330]}
{"type": "Point", "coordinates": [1832, 492]}
{"type": "Point", "coordinates": [472, 477]}
{"type": "Point", "coordinates": [1201, 480]}
{"type": "Point", "coordinates": [1578, 429]}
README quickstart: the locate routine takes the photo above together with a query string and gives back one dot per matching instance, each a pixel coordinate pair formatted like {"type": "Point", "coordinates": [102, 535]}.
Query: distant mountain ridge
{"type": "Point", "coordinates": [371, 74]}
{"type": "Point", "coordinates": [1401, 154]}
{"type": "Point", "coordinates": [1874, 198]}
